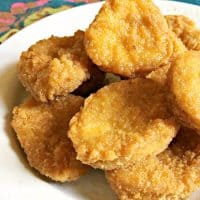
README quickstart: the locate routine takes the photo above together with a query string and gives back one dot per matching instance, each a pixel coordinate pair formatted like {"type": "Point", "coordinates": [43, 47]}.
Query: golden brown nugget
{"type": "Point", "coordinates": [172, 175]}
{"type": "Point", "coordinates": [183, 82]}
{"type": "Point", "coordinates": [179, 24]}
{"type": "Point", "coordinates": [128, 36]}
{"type": "Point", "coordinates": [42, 132]}
{"type": "Point", "coordinates": [122, 123]}
{"type": "Point", "coordinates": [55, 67]}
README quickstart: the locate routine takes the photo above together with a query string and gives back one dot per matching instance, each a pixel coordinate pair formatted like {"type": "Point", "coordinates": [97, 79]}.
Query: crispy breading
{"type": "Point", "coordinates": [160, 75]}
{"type": "Point", "coordinates": [183, 83]}
{"type": "Point", "coordinates": [186, 30]}
{"type": "Point", "coordinates": [122, 123]}
{"type": "Point", "coordinates": [191, 39]}
{"type": "Point", "coordinates": [172, 175]}
{"type": "Point", "coordinates": [55, 67]}
{"type": "Point", "coordinates": [128, 37]}
{"type": "Point", "coordinates": [179, 24]}
{"type": "Point", "coordinates": [41, 129]}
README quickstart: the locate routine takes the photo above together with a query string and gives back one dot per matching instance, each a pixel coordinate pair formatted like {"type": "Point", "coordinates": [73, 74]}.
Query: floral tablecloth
{"type": "Point", "coordinates": [15, 14]}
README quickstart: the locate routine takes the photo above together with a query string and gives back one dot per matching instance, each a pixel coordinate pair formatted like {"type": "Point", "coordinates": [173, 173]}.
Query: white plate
{"type": "Point", "coordinates": [17, 180]}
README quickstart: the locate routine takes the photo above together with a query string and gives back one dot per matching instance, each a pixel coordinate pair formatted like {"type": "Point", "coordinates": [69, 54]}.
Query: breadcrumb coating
{"type": "Point", "coordinates": [55, 67]}
{"type": "Point", "coordinates": [172, 175]}
{"type": "Point", "coordinates": [186, 30]}
{"type": "Point", "coordinates": [179, 24]}
{"type": "Point", "coordinates": [128, 37]}
{"type": "Point", "coordinates": [41, 129]}
{"type": "Point", "coordinates": [122, 123]}
{"type": "Point", "coordinates": [191, 39]}
{"type": "Point", "coordinates": [160, 75]}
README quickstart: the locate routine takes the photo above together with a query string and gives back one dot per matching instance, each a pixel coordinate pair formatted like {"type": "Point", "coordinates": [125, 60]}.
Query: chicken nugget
{"type": "Point", "coordinates": [55, 67]}
{"type": "Point", "coordinates": [129, 36]}
{"type": "Point", "coordinates": [41, 129]}
{"type": "Point", "coordinates": [172, 175]}
{"type": "Point", "coordinates": [179, 24]}
{"type": "Point", "coordinates": [183, 83]}
{"type": "Point", "coordinates": [122, 123]}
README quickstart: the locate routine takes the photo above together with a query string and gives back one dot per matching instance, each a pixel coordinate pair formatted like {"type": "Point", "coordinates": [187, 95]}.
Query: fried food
{"type": "Point", "coordinates": [183, 82]}
{"type": "Point", "coordinates": [179, 24]}
{"type": "Point", "coordinates": [186, 30]}
{"type": "Point", "coordinates": [41, 129]}
{"type": "Point", "coordinates": [178, 46]}
{"type": "Point", "coordinates": [128, 37]}
{"type": "Point", "coordinates": [121, 124]}
{"type": "Point", "coordinates": [173, 174]}
{"type": "Point", "coordinates": [55, 67]}
{"type": "Point", "coordinates": [191, 39]}
{"type": "Point", "coordinates": [160, 75]}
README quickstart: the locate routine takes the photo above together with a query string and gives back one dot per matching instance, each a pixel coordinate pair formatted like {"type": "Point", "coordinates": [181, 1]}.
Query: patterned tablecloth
{"type": "Point", "coordinates": [15, 14]}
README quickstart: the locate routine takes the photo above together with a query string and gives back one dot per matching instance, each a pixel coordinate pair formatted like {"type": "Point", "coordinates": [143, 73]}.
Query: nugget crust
{"type": "Point", "coordinates": [183, 83]}
{"type": "Point", "coordinates": [128, 37]}
{"type": "Point", "coordinates": [55, 67]}
{"type": "Point", "coordinates": [122, 123]}
{"type": "Point", "coordinates": [179, 24]}
{"type": "Point", "coordinates": [160, 75]}
{"type": "Point", "coordinates": [191, 39]}
{"type": "Point", "coordinates": [186, 30]}
{"type": "Point", "coordinates": [41, 129]}
{"type": "Point", "coordinates": [172, 175]}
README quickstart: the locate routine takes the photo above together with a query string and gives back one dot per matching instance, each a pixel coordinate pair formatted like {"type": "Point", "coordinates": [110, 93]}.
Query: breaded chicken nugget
{"type": "Point", "coordinates": [122, 123]}
{"type": "Point", "coordinates": [179, 24]}
{"type": "Point", "coordinates": [172, 175]}
{"type": "Point", "coordinates": [55, 67]}
{"type": "Point", "coordinates": [42, 132]}
{"type": "Point", "coordinates": [160, 75]}
{"type": "Point", "coordinates": [128, 36]}
{"type": "Point", "coordinates": [183, 82]}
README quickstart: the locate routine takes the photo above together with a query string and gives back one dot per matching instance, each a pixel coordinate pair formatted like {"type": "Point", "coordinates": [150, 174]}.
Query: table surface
{"type": "Point", "coordinates": [15, 14]}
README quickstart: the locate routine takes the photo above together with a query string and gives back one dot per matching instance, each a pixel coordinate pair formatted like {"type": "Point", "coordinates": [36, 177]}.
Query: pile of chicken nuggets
{"type": "Point", "coordinates": [143, 130]}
